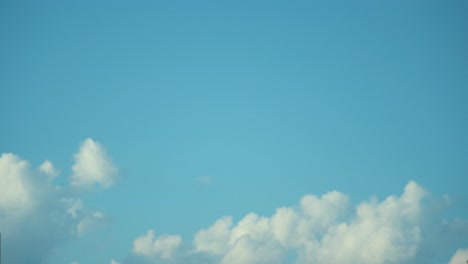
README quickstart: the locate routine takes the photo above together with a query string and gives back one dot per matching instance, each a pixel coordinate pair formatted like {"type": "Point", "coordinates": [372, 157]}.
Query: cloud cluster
{"type": "Point", "coordinates": [321, 230]}
{"type": "Point", "coordinates": [36, 215]}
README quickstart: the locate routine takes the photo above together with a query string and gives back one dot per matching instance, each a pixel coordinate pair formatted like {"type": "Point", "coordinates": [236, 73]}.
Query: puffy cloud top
{"type": "Point", "coordinates": [33, 209]}
{"type": "Point", "coordinates": [14, 184]}
{"type": "Point", "coordinates": [460, 257]}
{"type": "Point", "coordinates": [164, 246]}
{"type": "Point", "coordinates": [321, 230]}
{"type": "Point", "coordinates": [93, 166]}
{"type": "Point", "coordinates": [48, 168]}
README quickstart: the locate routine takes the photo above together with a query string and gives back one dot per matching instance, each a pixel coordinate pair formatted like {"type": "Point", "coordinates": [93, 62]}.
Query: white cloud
{"type": "Point", "coordinates": [93, 166]}
{"type": "Point", "coordinates": [33, 209]}
{"type": "Point", "coordinates": [320, 229]}
{"type": "Point", "coordinates": [14, 184]}
{"type": "Point", "coordinates": [460, 257]}
{"type": "Point", "coordinates": [326, 229]}
{"type": "Point", "coordinates": [114, 262]}
{"type": "Point", "coordinates": [247, 250]}
{"type": "Point", "coordinates": [48, 168]}
{"type": "Point", "coordinates": [214, 239]}
{"type": "Point", "coordinates": [163, 247]}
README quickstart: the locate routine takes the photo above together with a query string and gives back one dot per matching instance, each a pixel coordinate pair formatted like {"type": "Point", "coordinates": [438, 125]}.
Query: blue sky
{"type": "Point", "coordinates": [169, 115]}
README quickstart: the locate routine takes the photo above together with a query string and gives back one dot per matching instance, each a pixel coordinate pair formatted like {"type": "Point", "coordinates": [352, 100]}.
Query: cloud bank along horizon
{"type": "Point", "coordinates": [37, 216]}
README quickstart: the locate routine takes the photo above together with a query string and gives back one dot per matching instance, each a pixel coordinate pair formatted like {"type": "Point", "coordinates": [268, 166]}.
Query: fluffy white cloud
{"type": "Point", "coordinates": [247, 250]}
{"type": "Point", "coordinates": [460, 257]}
{"type": "Point", "coordinates": [385, 232]}
{"type": "Point", "coordinates": [36, 216]}
{"type": "Point", "coordinates": [15, 186]}
{"type": "Point", "coordinates": [163, 247]}
{"type": "Point", "coordinates": [48, 168]}
{"type": "Point", "coordinates": [322, 230]}
{"type": "Point", "coordinates": [114, 262]}
{"type": "Point", "coordinates": [214, 240]}
{"type": "Point", "coordinates": [93, 166]}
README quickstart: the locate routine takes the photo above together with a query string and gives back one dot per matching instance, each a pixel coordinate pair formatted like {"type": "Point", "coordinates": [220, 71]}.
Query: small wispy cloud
{"type": "Point", "coordinates": [206, 180]}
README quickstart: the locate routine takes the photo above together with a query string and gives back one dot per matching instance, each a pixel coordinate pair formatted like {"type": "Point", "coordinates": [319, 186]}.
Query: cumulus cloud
{"type": "Point", "coordinates": [93, 166]}
{"type": "Point", "coordinates": [214, 239]}
{"type": "Point", "coordinates": [48, 168]}
{"type": "Point", "coordinates": [460, 257]}
{"type": "Point", "coordinates": [248, 250]}
{"type": "Point", "coordinates": [162, 247]}
{"type": "Point", "coordinates": [319, 229]}
{"type": "Point", "coordinates": [323, 229]}
{"type": "Point", "coordinates": [36, 216]}
{"type": "Point", "coordinates": [14, 184]}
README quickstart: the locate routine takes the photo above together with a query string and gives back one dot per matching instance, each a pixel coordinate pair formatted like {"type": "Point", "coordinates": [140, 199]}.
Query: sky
{"type": "Point", "coordinates": [234, 131]}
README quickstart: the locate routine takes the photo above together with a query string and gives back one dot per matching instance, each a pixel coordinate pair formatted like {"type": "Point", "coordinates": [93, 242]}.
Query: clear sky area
{"type": "Point", "coordinates": [234, 132]}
